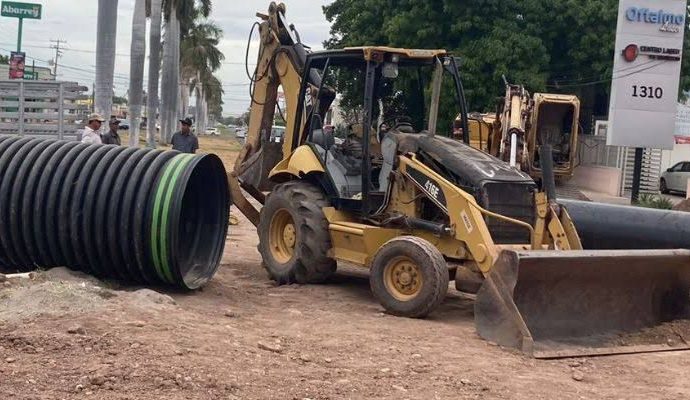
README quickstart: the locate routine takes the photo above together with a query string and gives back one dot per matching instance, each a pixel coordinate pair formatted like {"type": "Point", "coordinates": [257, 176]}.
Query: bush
{"type": "Point", "coordinates": [647, 200]}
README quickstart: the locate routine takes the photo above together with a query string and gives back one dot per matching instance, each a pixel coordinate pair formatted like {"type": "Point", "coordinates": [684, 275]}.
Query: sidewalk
{"type": "Point", "coordinates": [607, 198]}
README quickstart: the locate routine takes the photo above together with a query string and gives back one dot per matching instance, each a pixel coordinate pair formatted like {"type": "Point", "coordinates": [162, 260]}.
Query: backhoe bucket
{"type": "Point", "coordinates": [554, 304]}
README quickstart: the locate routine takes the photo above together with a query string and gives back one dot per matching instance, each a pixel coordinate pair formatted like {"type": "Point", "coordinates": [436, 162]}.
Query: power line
{"type": "Point", "coordinates": [612, 78]}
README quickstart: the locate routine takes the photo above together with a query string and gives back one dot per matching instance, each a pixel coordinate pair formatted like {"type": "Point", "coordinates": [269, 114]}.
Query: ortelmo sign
{"type": "Point", "coordinates": [21, 10]}
{"type": "Point", "coordinates": [667, 21]}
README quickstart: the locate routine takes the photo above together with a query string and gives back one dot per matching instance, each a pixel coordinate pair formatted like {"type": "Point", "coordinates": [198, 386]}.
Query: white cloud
{"type": "Point", "coordinates": [75, 22]}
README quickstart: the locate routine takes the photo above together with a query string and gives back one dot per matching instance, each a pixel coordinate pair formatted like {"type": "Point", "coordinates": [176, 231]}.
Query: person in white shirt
{"type": "Point", "coordinates": [90, 134]}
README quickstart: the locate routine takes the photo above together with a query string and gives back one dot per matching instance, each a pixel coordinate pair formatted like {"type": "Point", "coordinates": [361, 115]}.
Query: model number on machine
{"type": "Point", "coordinates": [648, 92]}
{"type": "Point", "coordinates": [432, 189]}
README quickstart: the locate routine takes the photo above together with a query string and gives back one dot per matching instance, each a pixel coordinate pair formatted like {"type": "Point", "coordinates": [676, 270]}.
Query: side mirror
{"type": "Point", "coordinates": [669, 170]}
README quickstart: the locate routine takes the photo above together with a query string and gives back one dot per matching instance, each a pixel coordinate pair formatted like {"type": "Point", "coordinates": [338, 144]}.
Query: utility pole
{"type": "Point", "coordinates": [58, 53]}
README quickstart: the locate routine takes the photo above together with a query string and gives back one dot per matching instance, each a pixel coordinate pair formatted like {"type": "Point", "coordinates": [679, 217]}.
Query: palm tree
{"type": "Point", "coordinates": [179, 17]}
{"type": "Point", "coordinates": [106, 34]}
{"type": "Point", "coordinates": [170, 78]}
{"type": "Point", "coordinates": [200, 58]}
{"type": "Point", "coordinates": [209, 93]}
{"type": "Point", "coordinates": [155, 14]}
{"type": "Point", "coordinates": [136, 70]}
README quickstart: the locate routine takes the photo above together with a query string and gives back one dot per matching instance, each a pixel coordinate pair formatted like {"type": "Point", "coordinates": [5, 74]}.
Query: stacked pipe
{"type": "Point", "coordinates": [137, 215]}
{"type": "Point", "coordinates": [610, 226]}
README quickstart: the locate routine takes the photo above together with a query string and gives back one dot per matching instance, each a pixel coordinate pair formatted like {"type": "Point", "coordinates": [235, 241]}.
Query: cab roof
{"type": "Point", "coordinates": [370, 51]}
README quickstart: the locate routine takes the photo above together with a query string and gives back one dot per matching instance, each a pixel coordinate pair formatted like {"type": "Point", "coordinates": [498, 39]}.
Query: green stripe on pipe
{"type": "Point", "coordinates": [163, 237]}
{"type": "Point", "coordinates": [160, 190]}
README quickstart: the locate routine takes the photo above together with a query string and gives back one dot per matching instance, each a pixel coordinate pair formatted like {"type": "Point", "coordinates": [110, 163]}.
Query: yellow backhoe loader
{"type": "Point", "coordinates": [521, 124]}
{"type": "Point", "coordinates": [417, 208]}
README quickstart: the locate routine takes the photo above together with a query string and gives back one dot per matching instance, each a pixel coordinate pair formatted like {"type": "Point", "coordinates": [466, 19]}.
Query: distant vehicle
{"type": "Point", "coordinates": [124, 124]}
{"type": "Point", "coordinates": [277, 133]}
{"type": "Point", "coordinates": [675, 179]}
{"type": "Point", "coordinates": [241, 132]}
{"type": "Point", "coordinates": [211, 131]}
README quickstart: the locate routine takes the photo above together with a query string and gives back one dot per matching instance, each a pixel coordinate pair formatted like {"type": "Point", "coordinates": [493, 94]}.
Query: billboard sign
{"type": "Point", "coordinates": [646, 73]}
{"type": "Point", "coordinates": [17, 64]}
{"type": "Point", "coordinates": [20, 10]}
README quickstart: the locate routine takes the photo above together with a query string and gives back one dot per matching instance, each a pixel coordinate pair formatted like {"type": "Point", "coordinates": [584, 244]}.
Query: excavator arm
{"type": "Point", "coordinates": [281, 62]}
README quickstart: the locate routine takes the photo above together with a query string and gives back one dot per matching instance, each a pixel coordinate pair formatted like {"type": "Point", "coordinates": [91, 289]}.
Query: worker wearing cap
{"type": "Point", "coordinates": [112, 137]}
{"type": "Point", "coordinates": [90, 134]}
{"type": "Point", "coordinates": [184, 140]}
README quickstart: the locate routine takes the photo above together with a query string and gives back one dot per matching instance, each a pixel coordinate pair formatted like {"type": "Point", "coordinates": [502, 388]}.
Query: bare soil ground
{"type": "Point", "coordinates": [64, 335]}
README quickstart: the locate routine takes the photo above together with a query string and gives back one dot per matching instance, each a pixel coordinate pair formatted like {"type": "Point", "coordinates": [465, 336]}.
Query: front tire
{"type": "Point", "coordinates": [409, 277]}
{"type": "Point", "coordinates": [294, 240]}
{"type": "Point", "coordinates": [662, 186]}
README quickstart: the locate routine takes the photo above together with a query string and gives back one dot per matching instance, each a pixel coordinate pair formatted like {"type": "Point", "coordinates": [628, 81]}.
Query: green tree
{"type": "Point", "coordinates": [563, 46]}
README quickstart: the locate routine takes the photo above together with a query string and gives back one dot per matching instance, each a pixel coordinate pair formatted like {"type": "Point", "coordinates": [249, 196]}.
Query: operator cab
{"type": "Point", "coordinates": [386, 98]}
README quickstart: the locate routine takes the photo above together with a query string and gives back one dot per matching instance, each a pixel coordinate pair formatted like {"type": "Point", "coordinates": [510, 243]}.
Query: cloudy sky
{"type": "Point", "coordinates": [75, 22]}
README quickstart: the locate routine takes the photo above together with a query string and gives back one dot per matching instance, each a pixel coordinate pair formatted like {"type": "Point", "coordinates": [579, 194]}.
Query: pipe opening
{"type": "Point", "coordinates": [202, 223]}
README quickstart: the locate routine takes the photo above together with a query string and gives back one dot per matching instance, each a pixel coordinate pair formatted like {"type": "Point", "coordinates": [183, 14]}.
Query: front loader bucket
{"type": "Point", "coordinates": [553, 304]}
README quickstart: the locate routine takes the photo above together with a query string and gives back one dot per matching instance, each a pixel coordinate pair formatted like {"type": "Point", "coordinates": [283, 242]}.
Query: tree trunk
{"type": "Point", "coordinates": [204, 113]}
{"type": "Point", "coordinates": [197, 105]}
{"type": "Point", "coordinates": [175, 117]}
{"type": "Point", "coordinates": [136, 70]}
{"type": "Point", "coordinates": [184, 98]}
{"type": "Point", "coordinates": [170, 79]}
{"type": "Point", "coordinates": [106, 35]}
{"type": "Point", "coordinates": [165, 84]}
{"type": "Point", "coordinates": [154, 68]}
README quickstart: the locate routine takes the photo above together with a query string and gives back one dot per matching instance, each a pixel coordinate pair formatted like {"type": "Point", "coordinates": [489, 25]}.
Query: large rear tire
{"type": "Point", "coordinates": [294, 241]}
{"type": "Point", "coordinates": [409, 277]}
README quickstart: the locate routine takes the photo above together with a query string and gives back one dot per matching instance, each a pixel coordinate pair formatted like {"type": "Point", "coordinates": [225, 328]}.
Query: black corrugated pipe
{"type": "Point", "coordinates": [617, 227]}
{"type": "Point", "coordinates": [138, 215]}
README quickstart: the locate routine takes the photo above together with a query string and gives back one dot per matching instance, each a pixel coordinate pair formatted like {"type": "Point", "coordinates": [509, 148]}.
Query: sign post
{"type": "Point", "coordinates": [646, 74]}
{"type": "Point", "coordinates": [14, 9]}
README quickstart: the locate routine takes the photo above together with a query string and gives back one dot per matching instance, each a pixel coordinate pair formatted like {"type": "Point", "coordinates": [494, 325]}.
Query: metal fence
{"type": "Point", "coordinates": [48, 109]}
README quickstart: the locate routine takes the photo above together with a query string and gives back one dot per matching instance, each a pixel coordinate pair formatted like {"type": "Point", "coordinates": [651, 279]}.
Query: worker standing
{"type": "Point", "coordinates": [184, 140]}
{"type": "Point", "coordinates": [90, 134]}
{"type": "Point", "coordinates": [112, 136]}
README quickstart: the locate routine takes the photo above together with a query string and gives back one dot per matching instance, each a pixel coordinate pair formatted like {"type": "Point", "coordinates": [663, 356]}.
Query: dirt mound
{"type": "Point", "coordinates": [682, 206]}
{"type": "Point", "coordinates": [670, 333]}
{"type": "Point", "coordinates": [61, 291]}
{"type": "Point", "coordinates": [50, 297]}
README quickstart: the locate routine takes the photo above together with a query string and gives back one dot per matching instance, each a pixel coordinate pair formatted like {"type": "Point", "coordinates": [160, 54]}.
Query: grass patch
{"type": "Point", "coordinates": [648, 200]}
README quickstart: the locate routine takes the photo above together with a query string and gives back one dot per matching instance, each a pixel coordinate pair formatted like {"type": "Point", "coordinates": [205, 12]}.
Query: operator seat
{"type": "Point", "coordinates": [323, 138]}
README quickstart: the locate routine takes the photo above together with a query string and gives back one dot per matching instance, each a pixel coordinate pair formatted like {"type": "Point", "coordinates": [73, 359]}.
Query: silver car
{"type": "Point", "coordinates": [675, 179]}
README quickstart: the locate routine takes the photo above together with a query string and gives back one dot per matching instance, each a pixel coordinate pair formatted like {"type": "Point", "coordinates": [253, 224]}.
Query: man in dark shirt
{"type": "Point", "coordinates": [184, 140]}
{"type": "Point", "coordinates": [112, 137]}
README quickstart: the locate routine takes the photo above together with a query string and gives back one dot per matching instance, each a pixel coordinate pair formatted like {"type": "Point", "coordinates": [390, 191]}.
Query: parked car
{"type": "Point", "coordinates": [211, 131]}
{"type": "Point", "coordinates": [241, 132]}
{"type": "Point", "coordinates": [675, 179]}
{"type": "Point", "coordinates": [277, 133]}
{"type": "Point", "coordinates": [124, 124]}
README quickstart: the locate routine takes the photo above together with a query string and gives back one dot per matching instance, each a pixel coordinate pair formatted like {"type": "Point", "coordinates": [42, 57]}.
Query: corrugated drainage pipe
{"type": "Point", "coordinates": [137, 215]}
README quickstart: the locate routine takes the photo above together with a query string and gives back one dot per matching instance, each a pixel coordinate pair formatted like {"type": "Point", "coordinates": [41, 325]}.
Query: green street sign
{"type": "Point", "coordinates": [21, 10]}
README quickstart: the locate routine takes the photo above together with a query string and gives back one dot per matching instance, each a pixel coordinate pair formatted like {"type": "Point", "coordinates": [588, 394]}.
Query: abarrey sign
{"type": "Point", "coordinates": [646, 72]}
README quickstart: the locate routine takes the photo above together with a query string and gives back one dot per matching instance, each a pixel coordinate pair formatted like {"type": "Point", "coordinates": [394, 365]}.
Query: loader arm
{"type": "Point", "coordinates": [281, 62]}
